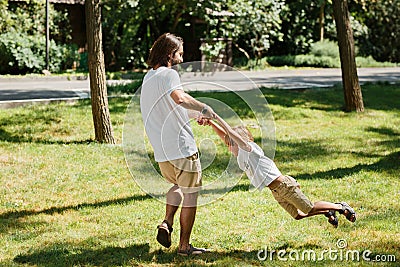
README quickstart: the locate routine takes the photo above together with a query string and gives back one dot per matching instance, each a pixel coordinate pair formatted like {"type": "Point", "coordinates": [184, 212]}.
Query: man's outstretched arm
{"type": "Point", "coordinates": [182, 98]}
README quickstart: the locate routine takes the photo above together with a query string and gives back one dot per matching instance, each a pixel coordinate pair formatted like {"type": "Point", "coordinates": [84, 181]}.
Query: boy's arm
{"type": "Point", "coordinates": [220, 132]}
{"type": "Point", "coordinates": [242, 143]}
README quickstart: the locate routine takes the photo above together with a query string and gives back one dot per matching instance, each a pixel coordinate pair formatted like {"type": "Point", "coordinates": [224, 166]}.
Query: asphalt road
{"type": "Point", "coordinates": [20, 91]}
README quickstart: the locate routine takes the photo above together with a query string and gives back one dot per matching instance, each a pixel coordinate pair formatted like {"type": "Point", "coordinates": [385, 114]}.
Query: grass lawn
{"type": "Point", "coordinates": [66, 200]}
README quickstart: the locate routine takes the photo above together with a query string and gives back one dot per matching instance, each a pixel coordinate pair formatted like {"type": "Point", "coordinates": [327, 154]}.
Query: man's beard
{"type": "Point", "coordinates": [174, 62]}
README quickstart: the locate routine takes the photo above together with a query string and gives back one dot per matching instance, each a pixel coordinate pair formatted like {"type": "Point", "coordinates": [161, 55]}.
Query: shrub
{"type": "Point", "coordinates": [323, 54]}
{"type": "Point", "coordinates": [323, 61]}
{"type": "Point", "coordinates": [316, 61]}
{"type": "Point", "coordinates": [21, 53]}
{"type": "Point", "coordinates": [281, 60]}
{"type": "Point", "coordinates": [325, 48]}
{"type": "Point", "coordinates": [124, 88]}
{"type": "Point", "coordinates": [17, 53]}
{"type": "Point", "coordinates": [83, 62]}
{"type": "Point", "coordinates": [304, 61]}
{"type": "Point", "coordinates": [370, 62]}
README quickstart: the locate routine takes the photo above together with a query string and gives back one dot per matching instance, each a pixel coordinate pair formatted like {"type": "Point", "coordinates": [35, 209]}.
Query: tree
{"type": "Point", "coordinates": [352, 90]}
{"type": "Point", "coordinates": [98, 89]}
{"type": "Point", "coordinates": [321, 19]}
{"type": "Point", "coordinates": [380, 22]}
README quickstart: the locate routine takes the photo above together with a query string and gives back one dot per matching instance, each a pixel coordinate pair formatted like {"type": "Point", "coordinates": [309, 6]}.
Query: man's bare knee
{"type": "Point", "coordinates": [190, 199]}
{"type": "Point", "coordinates": [174, 196]}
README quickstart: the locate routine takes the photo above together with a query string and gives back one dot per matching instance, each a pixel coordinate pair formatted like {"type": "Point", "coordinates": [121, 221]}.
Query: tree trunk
{"type": "Point", "coordinates": [98, 90]}
{"type": "Point", "coordinates": [321, 21]}
{"type": "Point", "coordinates": [352, 90]}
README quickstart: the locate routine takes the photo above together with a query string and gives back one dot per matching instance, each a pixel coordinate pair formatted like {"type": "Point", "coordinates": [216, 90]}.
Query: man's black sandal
{"type": "Point", "coordinates": [192, 251]}
{"type": "Point", "coordinates": [164, 234]}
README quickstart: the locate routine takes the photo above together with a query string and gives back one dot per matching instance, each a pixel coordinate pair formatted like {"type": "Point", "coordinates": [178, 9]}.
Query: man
{"type": "Point", "coordinates": [164, 106]}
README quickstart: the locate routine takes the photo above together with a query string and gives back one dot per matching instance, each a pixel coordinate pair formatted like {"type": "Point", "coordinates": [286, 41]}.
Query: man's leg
{"type": "Point", "coordinates": [187, 217]}
{"type": "Point", "coordinates": [174, 199]}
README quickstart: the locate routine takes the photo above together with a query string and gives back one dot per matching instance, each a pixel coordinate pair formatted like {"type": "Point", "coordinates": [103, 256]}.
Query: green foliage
{"type": "Point", "coordinates": [304, 61]}
{"type": "Point", "coordinates": [23, 41]}
{"type": "Point", "coordinates": [382, 22]}
{"type": "Point", "coordinates": [316, 61]}
{"type": "Point", "coordinates": [5, 16]}
{"type": "Point", "coordinates": [253, 25]}
{"type": "Point", "coordinates": [257, 29]}
{"type": "Point", "coordinates": [123, 45]}
{"type": "Point", "coordinates": [132, 26]}
{"type": "Point", "coordinates": [83, 62]}
{"type": "Point", "coordinates": [322, 61]}
{"type": "Point", "coordinates": [124, 88]}
{"type": "Point", "coordinates": [22, 53]}
{"type": "Point", "coordinates": [211, 49]}
{"type": "Point", "coordinates": [300, 26]}
{"type": "Point", "coordinates": [370, 62]}
{"type": "Point", "coordinates": [325, 48]}
{"type": "Point", "coordinates": [323, 55]}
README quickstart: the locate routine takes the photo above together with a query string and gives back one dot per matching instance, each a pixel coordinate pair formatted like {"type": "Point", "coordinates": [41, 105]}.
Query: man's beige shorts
{"type": "Point", "coordinates": [291, 198]}
{"type": "Point", "coordinates": [186, 173]}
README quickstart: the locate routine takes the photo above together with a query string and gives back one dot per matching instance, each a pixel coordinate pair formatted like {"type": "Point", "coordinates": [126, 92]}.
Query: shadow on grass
{"type": "Point", "coordinates": [379, 96]}
{"type": "Point", "coordinates": [63, 255]}
{"type": "Point", "coordinates": [53, 210]}
{"type": "Point", "coordinates": [15, 138]}
{"type": "Point", "coordinates": [134, 255]}
{"type": "Point", "coordinates": [384, 131]}
{"type": "Point", "coordinates": [119, 201]}
{"type": "Point", "coordinates": [388, 163]}
{"type": "Point", "coordinates": [28, 124]}
{"type": "Point", "coordinates": [60, 255]}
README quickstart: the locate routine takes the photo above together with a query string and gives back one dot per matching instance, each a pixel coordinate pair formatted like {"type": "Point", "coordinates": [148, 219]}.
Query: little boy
{"type": "Point", "coordinates": [263, 172]}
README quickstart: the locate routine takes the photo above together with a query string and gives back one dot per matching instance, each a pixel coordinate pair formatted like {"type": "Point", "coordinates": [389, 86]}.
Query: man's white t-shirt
{"type": "Point", "coordinates": [260, 169]}
{"type": "Point", "coordinates": [167, 124]}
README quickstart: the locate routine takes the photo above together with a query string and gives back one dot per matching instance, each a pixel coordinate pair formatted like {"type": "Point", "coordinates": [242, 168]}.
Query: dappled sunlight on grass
{"type": "Point", "coordinates": [67, 200]}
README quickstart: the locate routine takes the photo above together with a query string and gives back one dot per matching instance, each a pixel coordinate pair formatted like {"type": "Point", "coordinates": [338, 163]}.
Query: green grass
{"type": "Point", "coordinates": [66, 200]}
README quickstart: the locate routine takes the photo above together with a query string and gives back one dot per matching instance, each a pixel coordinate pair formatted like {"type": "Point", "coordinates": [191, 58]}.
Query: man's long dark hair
{"type": "Point", "coordinates": [162, 49]}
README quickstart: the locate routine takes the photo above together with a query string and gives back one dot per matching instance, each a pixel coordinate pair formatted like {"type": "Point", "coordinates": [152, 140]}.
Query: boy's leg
{"type": "Point", "coordinates": [320, 207]}
{"type": "Point", "coordinates": [328, 209]}
{"type": "Point", "coordinates": [291, 198]}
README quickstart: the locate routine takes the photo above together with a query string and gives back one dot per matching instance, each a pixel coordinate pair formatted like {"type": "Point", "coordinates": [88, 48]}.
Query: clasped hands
{"type": "Point", "coordinates": [204, 121]}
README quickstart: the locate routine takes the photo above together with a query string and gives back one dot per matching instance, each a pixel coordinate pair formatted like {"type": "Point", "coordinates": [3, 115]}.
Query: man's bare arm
{"type": "Point", "coordinates": [182, 98]}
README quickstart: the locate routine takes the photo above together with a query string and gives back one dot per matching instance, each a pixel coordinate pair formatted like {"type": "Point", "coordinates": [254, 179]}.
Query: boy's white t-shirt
{"type": "Point", "coordinates": [260, 169]}
{"type": "Point", "coordinates": [167, 124]}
